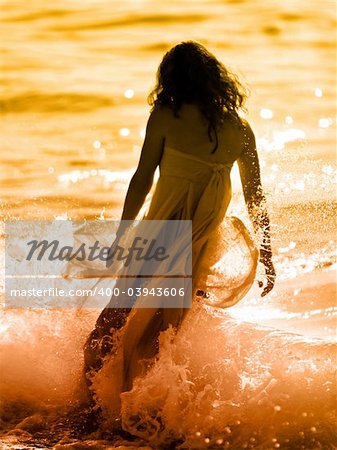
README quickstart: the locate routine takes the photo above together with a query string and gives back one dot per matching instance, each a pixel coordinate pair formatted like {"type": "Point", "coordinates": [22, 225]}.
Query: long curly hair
{"type": "Point", "coordinates": [189, 73]}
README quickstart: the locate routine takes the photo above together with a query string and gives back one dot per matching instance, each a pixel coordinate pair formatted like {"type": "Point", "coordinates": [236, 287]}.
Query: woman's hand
{"type": "Point", "coordinates": [266, 260]}
{"type": "Point", "coordinates": [121, 230]}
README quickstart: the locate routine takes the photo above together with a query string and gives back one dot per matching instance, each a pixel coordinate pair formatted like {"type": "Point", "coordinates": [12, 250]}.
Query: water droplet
{"type": "Point", "coordinates": [299, 185]}
{"type": "Point", "coordinates": [129, 93]}
{"type": "Point", "coordinates": [97, 144]}
{"type": "Point", "coordinates": [289, 120]}
{"type": "Point", "coordinates": [51, 170]}
{"type": "Point", "coordinates": [324, 122]}
{"type": "Point", "coordinates": [318, 92]}
{"type": "Point", "coordinates": [266, 113]}
{"type": "Point", "coordinates": [329, 170]}
{"type": "Point", "coordinates": [124, 132]}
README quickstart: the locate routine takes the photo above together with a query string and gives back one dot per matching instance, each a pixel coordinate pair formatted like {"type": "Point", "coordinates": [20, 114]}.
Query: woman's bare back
{"type": "Point", "coordinates": [188, 133]}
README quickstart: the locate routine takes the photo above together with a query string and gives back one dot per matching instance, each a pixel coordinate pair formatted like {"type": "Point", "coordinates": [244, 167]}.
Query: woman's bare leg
{"type": "Point", "coordinates": [99, 342]}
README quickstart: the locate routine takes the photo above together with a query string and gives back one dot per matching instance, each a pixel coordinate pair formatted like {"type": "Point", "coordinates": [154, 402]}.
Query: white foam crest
{"type": "Point", "coordinates": [107, 176]}
{"type": "Point", "coordinates": [216, 374]}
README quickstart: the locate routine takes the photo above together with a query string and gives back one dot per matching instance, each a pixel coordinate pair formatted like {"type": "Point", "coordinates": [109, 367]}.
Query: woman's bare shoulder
{"type": "Point", "coordinates": [248, 133]}
{"type": "Point", "coordinates": [246, 125]}
{"type": "Point", "coordinates": [243, 130]}
{"type": "Point", "coordinates": [238, 134]}
{"type": "Point", "coordinates": [161, 112]}
{"type": "Point", "coordinates": [159, 116]}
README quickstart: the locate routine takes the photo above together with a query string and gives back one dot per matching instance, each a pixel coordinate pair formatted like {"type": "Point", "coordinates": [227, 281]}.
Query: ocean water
{"type": "Point", "coordinates": [75, 78]}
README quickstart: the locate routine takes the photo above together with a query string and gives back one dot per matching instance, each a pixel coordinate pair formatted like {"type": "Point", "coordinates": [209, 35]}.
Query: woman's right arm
{"type": "Point", "coordinates": [249, 167]}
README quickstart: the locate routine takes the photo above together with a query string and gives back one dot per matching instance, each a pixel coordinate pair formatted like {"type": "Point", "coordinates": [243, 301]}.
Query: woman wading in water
{"type": "Point", "coordinates": [194, 134]}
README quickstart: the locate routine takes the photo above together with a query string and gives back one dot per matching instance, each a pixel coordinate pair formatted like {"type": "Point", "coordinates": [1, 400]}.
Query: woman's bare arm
{"type": "Point", "coordinates": [142, 179]}
{"type": "Point", "coordinates": [249, 167]}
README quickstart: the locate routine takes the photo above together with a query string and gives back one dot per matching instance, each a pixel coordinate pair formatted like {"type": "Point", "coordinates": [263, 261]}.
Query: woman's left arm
{"type": "Point", "coordinates": [142, 180]}
{"type": "Point", "coordinates": [150, 157]}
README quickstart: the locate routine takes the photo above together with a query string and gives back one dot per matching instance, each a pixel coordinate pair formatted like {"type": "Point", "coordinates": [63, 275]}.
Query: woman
{"type": "Point", "coordinates": [194, 134]}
